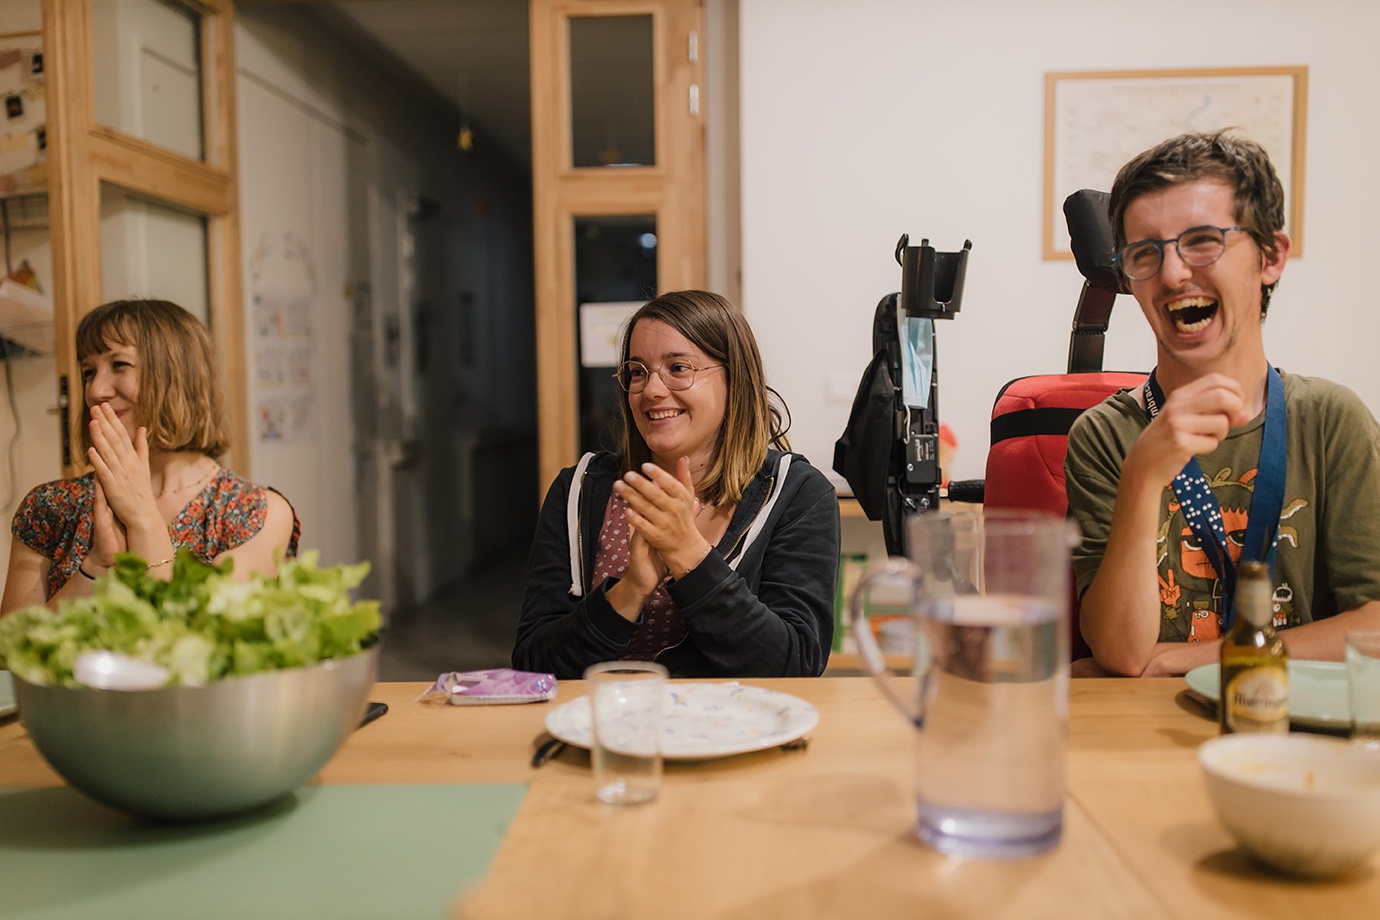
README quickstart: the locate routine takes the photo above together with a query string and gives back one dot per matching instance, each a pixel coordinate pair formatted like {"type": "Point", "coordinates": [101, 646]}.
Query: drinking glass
{"type": "Point", "coordinates": [625, 702]}
{"type": "Point", "coordinates": [1363, 686]}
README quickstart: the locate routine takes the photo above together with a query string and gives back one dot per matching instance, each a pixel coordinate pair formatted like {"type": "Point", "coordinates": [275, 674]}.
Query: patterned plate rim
{"type": "Point", "coordinates": [570, 720]}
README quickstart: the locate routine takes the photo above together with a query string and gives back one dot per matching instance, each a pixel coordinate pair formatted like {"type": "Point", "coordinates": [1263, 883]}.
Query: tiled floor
{"type": "Point", "coordinates": [466, 628]}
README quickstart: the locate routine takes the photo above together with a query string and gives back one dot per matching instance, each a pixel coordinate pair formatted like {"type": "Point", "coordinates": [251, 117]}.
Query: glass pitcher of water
{"type": "Point", "coordinates": [989, 700]}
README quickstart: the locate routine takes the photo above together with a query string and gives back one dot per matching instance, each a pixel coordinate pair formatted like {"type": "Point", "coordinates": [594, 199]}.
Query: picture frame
{"type": "Point", "coordinates": [1095, 121]}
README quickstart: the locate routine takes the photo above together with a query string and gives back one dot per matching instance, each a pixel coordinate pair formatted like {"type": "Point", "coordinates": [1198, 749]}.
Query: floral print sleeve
{"type": "Point", "coordinates": [54, 520]}
{"type": "Point", "coordinates": [226, 514]}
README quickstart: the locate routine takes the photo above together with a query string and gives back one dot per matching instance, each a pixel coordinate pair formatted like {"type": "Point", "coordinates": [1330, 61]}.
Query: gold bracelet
{"type": "Point", "coordinates": [154, 565]}
{"type": "Point", "coordinates": [677, 576]}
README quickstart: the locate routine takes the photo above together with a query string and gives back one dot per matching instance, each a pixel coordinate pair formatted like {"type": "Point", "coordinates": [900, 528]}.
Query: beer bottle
{"type": "Point", "coordinates": [1255, 666]}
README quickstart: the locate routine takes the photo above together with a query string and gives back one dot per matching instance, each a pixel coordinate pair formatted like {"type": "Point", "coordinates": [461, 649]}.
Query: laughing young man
{"type": "Point", "coordinates": [1219, 457]}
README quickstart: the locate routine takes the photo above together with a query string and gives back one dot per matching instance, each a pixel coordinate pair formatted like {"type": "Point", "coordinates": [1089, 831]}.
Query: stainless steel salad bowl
{"type": "Point", "coordinates": [193, 753]}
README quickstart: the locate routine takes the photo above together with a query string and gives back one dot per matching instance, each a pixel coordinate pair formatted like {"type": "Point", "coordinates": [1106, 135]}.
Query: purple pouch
{"type": "Point", "coordinates": [497, 685]}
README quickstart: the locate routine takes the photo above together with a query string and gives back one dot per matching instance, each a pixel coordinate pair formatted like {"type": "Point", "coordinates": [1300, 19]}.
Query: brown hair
{"type": "Point", "coordinates": [753, 416]}
{"type": "Point", "coordinates": [1242, 164]}
{"type": "Point", "coordinates": [180, 400]}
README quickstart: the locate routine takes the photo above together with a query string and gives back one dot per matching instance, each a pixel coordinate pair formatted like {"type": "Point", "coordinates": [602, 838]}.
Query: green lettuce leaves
{"type": "Point", "coordinates": [202, 625]}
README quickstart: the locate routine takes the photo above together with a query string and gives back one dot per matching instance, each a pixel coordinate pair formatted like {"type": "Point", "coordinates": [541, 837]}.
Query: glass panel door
{"type": "Point", "coordinates": [618, 195]}
{"type": "Point", "coordinates": [615, 273]}
{"type": "Point", "coordinates": [149, 249]}
{"type": "Point", "coordinates": [141, 115]}
{"type": "Point", "coordinates": [147, 54]}
{"type": "Point", "coordinates": [612, 91]}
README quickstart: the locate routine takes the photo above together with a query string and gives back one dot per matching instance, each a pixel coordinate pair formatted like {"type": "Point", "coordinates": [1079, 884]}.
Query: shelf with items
{"type": "Point", "coordinates": [26, 320]}
{"type": "Point", "coordinates": [849, 507]}
{"type": "Point", "coordinates": [24, 198]}
{"type": "Point", "coordinates": [850, 664]}
{"type": "Point", "coordinates": [24, 128]}
{"type": "Point", "coordinates": [28, 182]}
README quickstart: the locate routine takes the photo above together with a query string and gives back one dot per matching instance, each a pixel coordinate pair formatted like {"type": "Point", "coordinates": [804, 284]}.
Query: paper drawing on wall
{"type": "Point", "coordinates": [282, 296]}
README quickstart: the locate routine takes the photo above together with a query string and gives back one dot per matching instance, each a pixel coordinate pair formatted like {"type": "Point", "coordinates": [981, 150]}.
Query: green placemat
{"type": "Point", "coordinates": [326, 851]}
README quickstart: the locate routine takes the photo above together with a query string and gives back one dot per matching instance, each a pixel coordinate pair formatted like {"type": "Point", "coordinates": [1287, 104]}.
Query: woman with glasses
{"type": "Point", "coordinates": [703, 543]}
{"type": "Point", "coordinates": [152, 429]}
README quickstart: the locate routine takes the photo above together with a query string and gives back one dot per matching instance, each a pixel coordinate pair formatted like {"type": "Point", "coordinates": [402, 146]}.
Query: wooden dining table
{"type": "Point", "coordinates": [827, 830]}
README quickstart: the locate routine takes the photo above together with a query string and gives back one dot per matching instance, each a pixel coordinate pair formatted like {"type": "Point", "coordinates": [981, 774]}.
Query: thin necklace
{"type": "Point", "coordinates": [204, 479]}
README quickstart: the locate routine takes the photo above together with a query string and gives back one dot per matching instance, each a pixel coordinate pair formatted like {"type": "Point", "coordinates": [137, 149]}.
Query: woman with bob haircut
{"type": "Point", "coordinates": [703, 543]}
{"type": "Point", "coordinates": [151, 429]}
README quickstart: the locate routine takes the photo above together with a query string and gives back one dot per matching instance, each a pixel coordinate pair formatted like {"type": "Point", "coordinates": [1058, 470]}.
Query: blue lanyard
{"type": "Point", "coordinates": [1204, 514]}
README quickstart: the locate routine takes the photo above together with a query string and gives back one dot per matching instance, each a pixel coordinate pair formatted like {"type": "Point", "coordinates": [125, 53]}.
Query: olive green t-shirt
{"type": "Point", "coordinates": [1328, 556]}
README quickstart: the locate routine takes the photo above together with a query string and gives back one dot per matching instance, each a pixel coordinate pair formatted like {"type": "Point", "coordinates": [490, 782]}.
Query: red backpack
{"type": "Point", "coordinates": [1032, 415]}
{"type": "Point", "coordinates": [1030, 428]}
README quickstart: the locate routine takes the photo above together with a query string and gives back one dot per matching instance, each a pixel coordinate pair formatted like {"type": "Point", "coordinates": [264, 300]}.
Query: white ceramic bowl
{"type": "Point", "coordinates": [1305, 804]}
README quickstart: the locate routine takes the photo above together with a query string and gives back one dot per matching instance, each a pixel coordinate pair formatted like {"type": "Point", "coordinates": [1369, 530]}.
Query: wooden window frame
{"type": "Point", "coordinates": [673, 189]}
{"type": "Point", "coordinates": [83, 154]}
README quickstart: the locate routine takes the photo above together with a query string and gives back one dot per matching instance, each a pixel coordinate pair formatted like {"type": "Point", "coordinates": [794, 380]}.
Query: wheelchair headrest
{"type": "Point", "coordinates": [1090, 238]}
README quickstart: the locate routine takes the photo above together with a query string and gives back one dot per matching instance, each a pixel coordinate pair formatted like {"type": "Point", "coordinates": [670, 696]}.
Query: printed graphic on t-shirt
{"type": "Point", "coordinates": [1189, 588]}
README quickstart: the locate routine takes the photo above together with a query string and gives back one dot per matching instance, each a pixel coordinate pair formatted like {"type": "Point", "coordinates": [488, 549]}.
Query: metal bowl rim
{"type": "Point", "coordinates": [328, 664]}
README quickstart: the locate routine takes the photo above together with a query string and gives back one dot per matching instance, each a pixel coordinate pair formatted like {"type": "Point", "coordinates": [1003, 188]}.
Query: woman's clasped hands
{"type": "Point", "coordinates": [125, 516]}
{"type": "Point", "coordinates": [665, 540]}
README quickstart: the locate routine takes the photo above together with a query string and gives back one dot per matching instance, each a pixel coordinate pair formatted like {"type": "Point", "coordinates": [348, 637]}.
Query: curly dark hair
{"type": "Point", "coordinates": [1240, 163]}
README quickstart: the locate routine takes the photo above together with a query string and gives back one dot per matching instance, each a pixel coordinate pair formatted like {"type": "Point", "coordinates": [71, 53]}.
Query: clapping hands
{"type": "Point", "coordinates": [124, 488]}
{"type": "Point", "coordinates": [665, 538]}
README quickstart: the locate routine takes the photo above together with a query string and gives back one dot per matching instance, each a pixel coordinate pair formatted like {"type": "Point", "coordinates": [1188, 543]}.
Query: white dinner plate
{"type": "Point", "coordinates": [7, 703]}
{"type": "Point", "coordinates": [706, 720]}
{"type": "Point", "coordinates": [1317, 692]}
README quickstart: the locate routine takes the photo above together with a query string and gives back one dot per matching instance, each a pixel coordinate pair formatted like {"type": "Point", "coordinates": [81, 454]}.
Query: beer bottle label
{"type": "Point", "coordinates": [1258, 699]}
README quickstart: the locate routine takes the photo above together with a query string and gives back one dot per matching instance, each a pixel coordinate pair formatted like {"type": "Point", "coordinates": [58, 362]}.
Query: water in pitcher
{"type": "Point", "coordinates": [990, 770]}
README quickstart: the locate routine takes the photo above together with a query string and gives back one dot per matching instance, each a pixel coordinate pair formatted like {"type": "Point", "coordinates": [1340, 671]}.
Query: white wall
{"type": "Point", "coordinates": [866, 120]}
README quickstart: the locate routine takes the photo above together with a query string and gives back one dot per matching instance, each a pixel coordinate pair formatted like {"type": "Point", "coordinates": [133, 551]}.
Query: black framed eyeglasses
{"type": "Point", "coordinates": [676, 374]}
{"type": "Point", "coordinates": [1197, 246]}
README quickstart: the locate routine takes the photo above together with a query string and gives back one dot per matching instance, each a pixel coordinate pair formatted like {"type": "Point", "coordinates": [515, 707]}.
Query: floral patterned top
{"type": "Point", "coordinates": [55, 521]}
{"type": "Point", "coordinates": [660, 625]}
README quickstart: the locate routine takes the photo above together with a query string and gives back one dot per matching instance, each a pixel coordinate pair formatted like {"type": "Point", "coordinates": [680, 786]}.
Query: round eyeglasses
{"type": "Point", "coordinates": [1197, 246]}
{"type": "Point", "coordinates": [676, 374]}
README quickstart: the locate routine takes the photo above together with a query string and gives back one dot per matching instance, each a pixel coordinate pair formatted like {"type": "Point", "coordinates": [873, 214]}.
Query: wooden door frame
{"type": "Point", "coordinates": [673, 190]}
{"type": "Point", "coordinates": [83, 154]}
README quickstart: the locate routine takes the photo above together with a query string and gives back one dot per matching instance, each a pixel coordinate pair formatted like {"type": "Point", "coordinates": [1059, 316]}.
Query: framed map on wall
{"type": "Point", "coordinates": [1097, 120]}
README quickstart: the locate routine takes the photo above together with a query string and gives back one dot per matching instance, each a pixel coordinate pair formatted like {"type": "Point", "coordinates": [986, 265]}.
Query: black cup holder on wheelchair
{"type": "Point", "coordinates": [889, 452]}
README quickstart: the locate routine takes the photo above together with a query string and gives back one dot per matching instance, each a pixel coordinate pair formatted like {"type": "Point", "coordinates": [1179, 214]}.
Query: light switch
{"type": "Point", "coordinates": [839, 388]}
